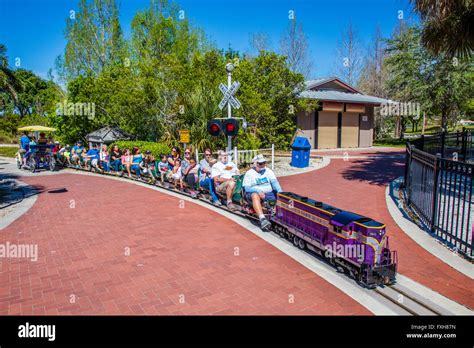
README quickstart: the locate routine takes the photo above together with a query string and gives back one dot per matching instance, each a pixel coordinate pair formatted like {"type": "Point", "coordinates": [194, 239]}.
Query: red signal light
{"type": "Point", "coordinates": [231, 127]}
{"type": "Point", "coordinates": [214, 127]}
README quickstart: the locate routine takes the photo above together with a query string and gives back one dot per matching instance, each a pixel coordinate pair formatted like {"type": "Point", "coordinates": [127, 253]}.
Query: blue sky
{"type": "Point", "coordinates": [33, 30]}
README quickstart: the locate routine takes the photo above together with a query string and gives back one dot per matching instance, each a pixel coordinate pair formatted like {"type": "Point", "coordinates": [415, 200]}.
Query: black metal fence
{"type": "Point", "coordinates": [439, 187]}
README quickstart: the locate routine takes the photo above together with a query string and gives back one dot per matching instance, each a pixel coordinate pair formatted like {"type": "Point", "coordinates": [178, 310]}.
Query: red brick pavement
{"type": "Point", "coordinates": [359, 185]}
{"type": "Point", "coordinates": [176, 255]}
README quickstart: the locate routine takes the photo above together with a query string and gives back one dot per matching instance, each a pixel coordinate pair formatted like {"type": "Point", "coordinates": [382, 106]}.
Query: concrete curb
{"type": "Point", "coordinates": [21, 207]}
{"type": "Point", "coordinates": [421, 237]}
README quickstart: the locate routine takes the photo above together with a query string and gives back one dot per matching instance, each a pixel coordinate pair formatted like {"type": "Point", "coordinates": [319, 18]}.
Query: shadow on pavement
{"type": "Point", "coordinates": [375, 171]}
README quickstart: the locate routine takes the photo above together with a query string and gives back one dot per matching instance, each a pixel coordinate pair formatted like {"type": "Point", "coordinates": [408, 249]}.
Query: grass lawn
{"type": "Point", "coordinates": [8, 151]}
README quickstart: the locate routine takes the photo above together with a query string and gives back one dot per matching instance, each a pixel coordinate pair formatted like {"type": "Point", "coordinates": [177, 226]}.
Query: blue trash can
{"type": "Point", "coordinates": [300, 152]}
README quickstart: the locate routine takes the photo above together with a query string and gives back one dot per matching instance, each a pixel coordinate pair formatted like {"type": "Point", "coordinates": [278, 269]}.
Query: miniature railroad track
{"type": "Point", "coordinates": [407, 302]}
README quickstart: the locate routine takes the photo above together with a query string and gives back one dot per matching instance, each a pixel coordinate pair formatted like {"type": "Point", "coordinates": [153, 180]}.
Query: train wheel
{"type": "Point", "coordinates": [282, 233]}
{"type": "Point", "coordinates": [301, 244]}
{"type": "Point", "coordinates": [296, 241]}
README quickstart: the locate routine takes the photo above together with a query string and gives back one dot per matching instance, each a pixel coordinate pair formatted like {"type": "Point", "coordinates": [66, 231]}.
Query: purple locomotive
{"type": "Point", "coordinates": [351, 242]}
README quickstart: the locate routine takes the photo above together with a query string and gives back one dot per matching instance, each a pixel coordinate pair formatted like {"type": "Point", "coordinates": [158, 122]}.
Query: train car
{"type": "Point", "coordinates": [353, 243]}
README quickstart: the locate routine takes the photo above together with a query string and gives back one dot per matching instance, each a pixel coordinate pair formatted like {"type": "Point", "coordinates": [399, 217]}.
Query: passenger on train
{"type": "Point", "coordinates": [175, 154]}
{"type": "Point", "coordinates": [92, 157]}
{"type": "Point", "coordinates": [205, 181]}
{"type": "Point", "coordinates": [76, 153]}
{"type": "Point", "coordinates": [163, 168]}
{"type": "Point", "coordinates": [222, 174]}
{"type": "Point", "coordinates": [115, 158]}
{"type": "Point", "coordinates": [260, 184]}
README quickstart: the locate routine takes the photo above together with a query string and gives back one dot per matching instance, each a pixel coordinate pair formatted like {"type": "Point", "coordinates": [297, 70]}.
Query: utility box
{"type": "Point", "coordinates": [300, 151]}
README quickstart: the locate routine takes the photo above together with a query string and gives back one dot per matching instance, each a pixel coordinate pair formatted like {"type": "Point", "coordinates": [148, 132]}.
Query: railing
{"type": "Point", "coordinates": [439, 187]}
{"type": "Point", "coordinates": [244, 158]}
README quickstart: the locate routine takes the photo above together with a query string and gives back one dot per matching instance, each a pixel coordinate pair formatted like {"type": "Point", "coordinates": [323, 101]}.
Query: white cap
{"type": "Point", "coordinates": [259, 159]}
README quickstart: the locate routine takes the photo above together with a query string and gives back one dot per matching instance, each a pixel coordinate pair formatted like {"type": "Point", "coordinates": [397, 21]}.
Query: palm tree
{"type": "Point", "coordinates": [8, 82]}
{"type": "Point", "coordinates": [448, 26]}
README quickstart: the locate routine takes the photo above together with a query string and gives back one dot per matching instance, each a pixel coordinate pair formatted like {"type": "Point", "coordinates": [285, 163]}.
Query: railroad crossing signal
{"type": "Point", "coordinates": [214, 127]}
{"type": "Point", "coordinates": [230, 127]}
{"type": "Point", "coordinates": [229, 95]}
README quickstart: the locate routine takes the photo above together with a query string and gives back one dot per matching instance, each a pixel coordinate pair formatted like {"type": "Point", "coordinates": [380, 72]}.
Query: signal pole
{"type": "Point", "coordinates": [229, 67]}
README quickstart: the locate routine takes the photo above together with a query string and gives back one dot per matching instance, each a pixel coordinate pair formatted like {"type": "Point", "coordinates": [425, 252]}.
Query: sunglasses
{"type": "Point", "coordinates": [187, 153]}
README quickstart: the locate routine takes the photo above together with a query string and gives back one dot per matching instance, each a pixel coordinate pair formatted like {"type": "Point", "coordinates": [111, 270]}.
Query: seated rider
{"type": "Point", "coordinates": [222, 173]}
{"type": "Point", "coordinates": [260, 183]}
{"type": "Point", "coordinates": [29, 151]}
{"type": "Point", "coordinates": [205, 181]}
{"type": "Point", "coordinates": [93, 155]}
{"type": "Point", "coordinates": [163, 168]}
{"type": "Point", "coordinates": [24, 142]}
{"type": "Point", "coordinates": [76, 153]}
{"type": "Point", "coordinates": [42, 139]}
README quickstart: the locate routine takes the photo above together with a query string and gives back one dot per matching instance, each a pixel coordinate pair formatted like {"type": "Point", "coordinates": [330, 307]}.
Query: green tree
{"type": "Point", "coordinates": [447, 26]}
{"type": "Point", "coordinates": [94, 39]}
{"type": "Point", "coordinates": [268, 97]}
{"type": "Point", "coordinates": [9, 84]}
{"type": "Point", "coordinates": [442, 85]}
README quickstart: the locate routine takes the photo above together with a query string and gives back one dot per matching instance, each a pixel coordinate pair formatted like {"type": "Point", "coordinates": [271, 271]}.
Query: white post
{"type": "Point", "coordinates": [229, 111]}
{"type": "Point", "coordinates": [273, 156]}
{"type": "Point", "coordinates": [423, 126]}
{"type": "Point", "coordinates": [197, 156]}
{"type": "Point", "coordinates": [236, 156]}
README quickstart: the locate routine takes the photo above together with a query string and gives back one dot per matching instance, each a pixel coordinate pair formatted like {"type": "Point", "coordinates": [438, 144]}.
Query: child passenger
{"type": "Point", "coordinates": [127, 161]}
{"type": "Point", "coordinates": [176, 174]}
{"type": "Point", "coordinates": [147, 166]}
{"type": "Point", "coordinates": [163, 167]}
{"type": "Point", "coordinates": [104, 158]}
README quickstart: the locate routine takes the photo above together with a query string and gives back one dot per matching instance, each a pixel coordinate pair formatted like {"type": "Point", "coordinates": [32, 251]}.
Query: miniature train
{"type": "Point", "coordinates": [354, 244]}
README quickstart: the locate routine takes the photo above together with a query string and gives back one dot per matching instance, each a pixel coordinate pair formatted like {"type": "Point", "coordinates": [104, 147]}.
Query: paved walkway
{"type": "Point", "coordinates": [181, 260]}
{"type": "Point", "coordinates": [358, 184]}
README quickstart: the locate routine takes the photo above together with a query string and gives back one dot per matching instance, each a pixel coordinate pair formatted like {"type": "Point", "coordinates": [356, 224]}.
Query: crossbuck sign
{"type": "Point", "coordinates": [229, 95]}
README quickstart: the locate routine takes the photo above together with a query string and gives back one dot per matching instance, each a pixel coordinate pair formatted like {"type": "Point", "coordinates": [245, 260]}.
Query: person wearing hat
{"type": "Point", "coordinates": [222, 173]}
{"type": "Point", "coordinates": [76, 153]}
{"type": "Point", "coordinates": [260, 184]}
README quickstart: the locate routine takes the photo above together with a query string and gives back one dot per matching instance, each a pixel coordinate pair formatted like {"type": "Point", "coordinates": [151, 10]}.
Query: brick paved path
{"type": "Point", "coordinates": [359, 185]}
{"type": "Point", "coordinates": [176, 255]}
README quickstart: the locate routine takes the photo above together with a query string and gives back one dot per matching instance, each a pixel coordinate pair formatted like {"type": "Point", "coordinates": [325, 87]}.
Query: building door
{"type": "Point", "coordinates": [327, 130]}
{"type": "Point", "coordinates": [350, 129]}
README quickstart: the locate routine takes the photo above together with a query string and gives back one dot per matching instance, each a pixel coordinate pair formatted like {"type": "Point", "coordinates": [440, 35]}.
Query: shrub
{"type": "Point", "coordinates": [5, 138]}
{"type": "Point", "coordinates": [155, 148]}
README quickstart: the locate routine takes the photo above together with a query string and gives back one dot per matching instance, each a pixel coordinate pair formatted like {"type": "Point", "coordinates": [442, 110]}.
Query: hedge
{"type": "Point", "coordinates": [156, 148]}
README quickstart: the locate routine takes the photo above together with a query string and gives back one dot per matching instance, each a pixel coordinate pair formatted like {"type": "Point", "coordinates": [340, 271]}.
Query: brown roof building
{"type": "Point", "coordinates": [344, 118]}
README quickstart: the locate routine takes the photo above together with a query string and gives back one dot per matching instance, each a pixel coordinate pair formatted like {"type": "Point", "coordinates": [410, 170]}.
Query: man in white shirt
{"type": "Point", "coordinates": [260, 183]}
{"type": "Point", "coordinates": [222, 173]}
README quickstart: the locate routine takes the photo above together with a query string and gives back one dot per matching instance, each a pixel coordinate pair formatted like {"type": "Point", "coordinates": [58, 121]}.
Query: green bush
{"type": "Point", "coordinates": [155, 148]}
{"type": "Point", "coordinates": [5, 138]}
